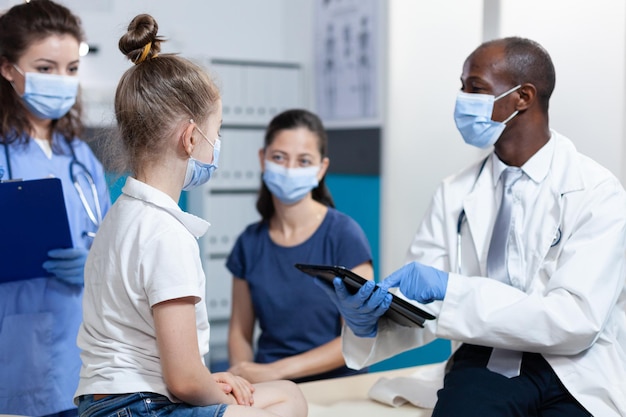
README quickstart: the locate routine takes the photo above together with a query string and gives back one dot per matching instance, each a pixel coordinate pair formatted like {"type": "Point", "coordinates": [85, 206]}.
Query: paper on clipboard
{"type": "Point", "coordinates": [33, 220]}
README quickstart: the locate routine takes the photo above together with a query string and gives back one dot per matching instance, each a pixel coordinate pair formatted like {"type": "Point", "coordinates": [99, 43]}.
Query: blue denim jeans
{"type": "Point", "coordinates": [143, 404]}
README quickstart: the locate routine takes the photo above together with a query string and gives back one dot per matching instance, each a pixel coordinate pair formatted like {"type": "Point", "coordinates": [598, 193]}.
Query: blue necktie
{"type": "Point", "coordinates": [503, 361]}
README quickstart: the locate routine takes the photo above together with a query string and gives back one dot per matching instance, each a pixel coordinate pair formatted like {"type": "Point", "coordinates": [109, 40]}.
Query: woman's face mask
{"type": "Point", "coordinates": [290, 185]}
{"type": "Point", "coordinates": [48, 96]}
{"type": "Point", "coordinates": [472, 115]}
{"type": "Point", "coordinates": [199, 172]}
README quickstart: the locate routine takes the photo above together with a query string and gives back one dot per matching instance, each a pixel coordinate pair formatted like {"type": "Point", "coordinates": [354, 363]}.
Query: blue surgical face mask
{"type": "Point", "coordinates": [290, 185]}
{"type": "Point", "coordinates": [48, 96]}
{"type": "Point", "coordinates": [472, 115]}
{"type": "Point", "coordinates": [199, 172]}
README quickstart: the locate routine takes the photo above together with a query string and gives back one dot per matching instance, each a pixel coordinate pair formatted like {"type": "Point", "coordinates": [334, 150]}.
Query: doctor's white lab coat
{"type": "Point", "coordinates": [570, 302]}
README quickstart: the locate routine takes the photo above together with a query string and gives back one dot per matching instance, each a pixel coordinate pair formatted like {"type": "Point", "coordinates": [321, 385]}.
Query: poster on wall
{"type": "Point", "coordinates": [346, 59]}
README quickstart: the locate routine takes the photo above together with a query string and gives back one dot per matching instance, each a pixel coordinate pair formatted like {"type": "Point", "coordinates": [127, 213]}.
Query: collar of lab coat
{"type": "Point", "coordinates": [142, 191]}
{"type": "Point", "coordinates": [536, 168]}
{"type": "Point", "coordinates": [561, 169]}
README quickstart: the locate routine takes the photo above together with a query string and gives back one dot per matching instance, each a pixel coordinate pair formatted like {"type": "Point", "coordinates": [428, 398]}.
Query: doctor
{"type": "Point", "coordinates": [538, 316]}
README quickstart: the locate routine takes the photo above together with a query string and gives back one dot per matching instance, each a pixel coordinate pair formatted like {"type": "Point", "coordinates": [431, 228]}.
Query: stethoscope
{"type": "Point", "coordinates": [95, 217]}
{"type": "Point", "coordinates": [459, 223]}
{"type": "Point", "coordinates": [77, 170]}
{"type": "Point", "coordinates": [461, 219]}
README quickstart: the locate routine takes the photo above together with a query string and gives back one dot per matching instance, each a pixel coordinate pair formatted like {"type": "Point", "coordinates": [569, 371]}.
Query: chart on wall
{"type": "Point", "coordinates": [346, 41]}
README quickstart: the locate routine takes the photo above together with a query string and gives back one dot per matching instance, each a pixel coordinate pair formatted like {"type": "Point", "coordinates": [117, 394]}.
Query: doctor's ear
{"type": "Point", "coordinates": [527, 96]}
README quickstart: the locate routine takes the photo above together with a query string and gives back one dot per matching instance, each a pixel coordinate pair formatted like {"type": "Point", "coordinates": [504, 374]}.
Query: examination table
{"type": "Point", "coordinates": [348, 396]}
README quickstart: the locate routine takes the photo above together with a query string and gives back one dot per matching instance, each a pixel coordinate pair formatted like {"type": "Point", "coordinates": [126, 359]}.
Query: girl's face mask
{"type": "Point", "coordinates": [199, 172]}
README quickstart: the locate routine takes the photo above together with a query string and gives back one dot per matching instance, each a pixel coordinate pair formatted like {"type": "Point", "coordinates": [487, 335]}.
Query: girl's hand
{"type": "Point", "coordinates": [236, 386]}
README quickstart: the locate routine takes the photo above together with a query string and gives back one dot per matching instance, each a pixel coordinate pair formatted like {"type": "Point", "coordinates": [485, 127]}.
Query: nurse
{"type": "Point", "coordinates": [536, 304]}
{"type": "Point", "coordinates": [39, 129]}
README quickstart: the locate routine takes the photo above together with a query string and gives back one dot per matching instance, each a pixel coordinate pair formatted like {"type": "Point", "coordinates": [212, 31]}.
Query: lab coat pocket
{"type": "Point", "coordinates": [25, 358]}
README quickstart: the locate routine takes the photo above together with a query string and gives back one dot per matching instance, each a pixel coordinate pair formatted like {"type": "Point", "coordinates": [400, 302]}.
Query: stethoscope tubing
{"type": "Point", "coordinates": [94, 217]}
{"type": "Point", "coordinates": [459, 223]}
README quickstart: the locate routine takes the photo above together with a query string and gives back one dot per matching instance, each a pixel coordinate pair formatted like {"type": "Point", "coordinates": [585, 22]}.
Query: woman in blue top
{"type": "Point", "coordinates": [299, 325]}
{"type": "Point", "coordinates": [39, 124]}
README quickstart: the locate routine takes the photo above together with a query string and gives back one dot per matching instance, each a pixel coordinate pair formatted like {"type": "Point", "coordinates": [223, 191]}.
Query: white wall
{"type": "Point", "coordinates": [587, 42]}
{"type": "Point", "coordinates": [428, 42]}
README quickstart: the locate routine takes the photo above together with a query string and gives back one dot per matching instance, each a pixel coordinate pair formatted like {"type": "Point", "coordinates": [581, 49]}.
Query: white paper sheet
{"type": "Point", "coordinates": [419, 388]}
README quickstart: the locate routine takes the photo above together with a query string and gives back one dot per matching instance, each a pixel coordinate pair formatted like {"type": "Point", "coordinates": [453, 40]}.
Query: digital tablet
{"type": "Point", "coordinates": [400, 311]}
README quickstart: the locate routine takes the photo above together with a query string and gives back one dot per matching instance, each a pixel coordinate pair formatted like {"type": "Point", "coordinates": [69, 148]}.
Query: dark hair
{"type": "Point", "coordinates": [158, 94]}
{"type": "Point", "coordinates": [293, 119]}
{"type": "Point", "coordinates": [528, 62]}
{"type": "Point", "coordinates": [20, 27]}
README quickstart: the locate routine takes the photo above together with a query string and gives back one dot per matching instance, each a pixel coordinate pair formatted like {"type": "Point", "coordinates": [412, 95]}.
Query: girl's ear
{"type": "Point", "coordinates": [187, 140]}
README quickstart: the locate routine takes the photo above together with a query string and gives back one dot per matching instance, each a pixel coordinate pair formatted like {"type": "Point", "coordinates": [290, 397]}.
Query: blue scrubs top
{"type": "Point", "coordinates": [294, 314]}
{"type": "Point", "coordinates": [40, 317]}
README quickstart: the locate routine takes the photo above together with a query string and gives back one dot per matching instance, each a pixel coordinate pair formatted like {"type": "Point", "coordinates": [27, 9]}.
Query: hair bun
{"type": "Point", "coordinates": [141, 42]}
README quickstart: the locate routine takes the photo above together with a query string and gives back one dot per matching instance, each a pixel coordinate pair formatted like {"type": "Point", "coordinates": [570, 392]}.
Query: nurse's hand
{"type": "Point", "coordinates": [362, 310]}
{"type": "Point", "coordinates": [67, 265]}
{"type": "Point", "coordinates": [418, 282]}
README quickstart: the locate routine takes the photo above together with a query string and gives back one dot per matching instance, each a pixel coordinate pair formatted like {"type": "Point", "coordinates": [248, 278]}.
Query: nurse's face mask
{"type": "Point", "coordinates": [199, 172]}
{"type": "Point", "coordinates": [290, 185]}
{"type": "Point", "coordinates": [48, 96]}
{"type": "Point", "coordinates": [472, 115]}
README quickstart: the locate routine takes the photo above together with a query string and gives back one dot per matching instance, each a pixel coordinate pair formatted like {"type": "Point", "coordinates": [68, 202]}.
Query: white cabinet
{"type": "Point", "coordinates": [252, 94]}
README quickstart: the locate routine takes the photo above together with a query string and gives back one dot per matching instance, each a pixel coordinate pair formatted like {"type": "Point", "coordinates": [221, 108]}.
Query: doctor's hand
{"type": "Point", "coordinates": [67, 265]}
{"type": "Point", "coordinates": [418, 282]}
{"type": "Point", "coordinates": [362, 310]}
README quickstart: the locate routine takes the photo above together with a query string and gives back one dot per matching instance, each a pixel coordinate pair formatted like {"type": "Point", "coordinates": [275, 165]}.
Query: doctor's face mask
{"type": "Point", "coordinates": [472, 115]}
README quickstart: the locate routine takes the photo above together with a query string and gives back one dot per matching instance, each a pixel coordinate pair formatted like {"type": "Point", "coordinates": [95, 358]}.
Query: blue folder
{"type": "Point", "coordinates": [33, 220]}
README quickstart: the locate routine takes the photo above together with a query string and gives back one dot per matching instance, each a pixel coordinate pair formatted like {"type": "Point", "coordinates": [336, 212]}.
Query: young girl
{"type": "Point", "coordinates": [300, 326]}
{"type": "Point", "coordinates": [40, 122]}
{"type": "Point", "coordinates": [145, 328]}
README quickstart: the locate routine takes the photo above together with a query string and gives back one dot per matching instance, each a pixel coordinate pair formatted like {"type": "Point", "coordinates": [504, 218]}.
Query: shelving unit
{"type": "Point", "coordinates": [252, 93]}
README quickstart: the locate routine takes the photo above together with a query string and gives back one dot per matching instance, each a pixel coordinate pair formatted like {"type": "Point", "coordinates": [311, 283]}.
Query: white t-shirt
{"type": "Point", "coordinates": [145, 252]}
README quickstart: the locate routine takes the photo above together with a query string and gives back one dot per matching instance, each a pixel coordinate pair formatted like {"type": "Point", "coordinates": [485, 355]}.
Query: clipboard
{"type": "Point", "coordinates": [400, 311]}
{"type": "Point", "coordinates": [33, 220]}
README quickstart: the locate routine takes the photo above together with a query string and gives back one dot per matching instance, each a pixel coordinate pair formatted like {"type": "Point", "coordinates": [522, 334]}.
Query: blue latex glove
{"type": "Point", "coordinates": [362, 310]}
{"type": "Point", "coordinates": [67, 265]}
{"type": "Point", "coordinates": [418, 282]}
